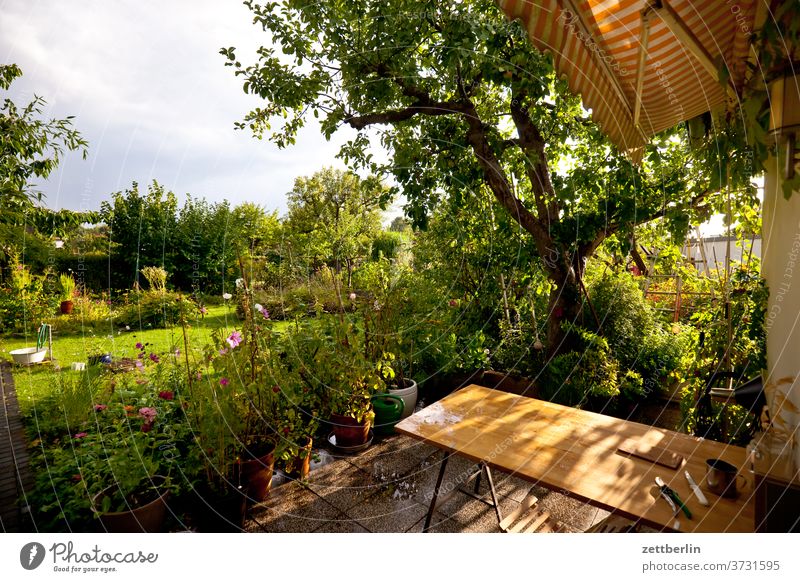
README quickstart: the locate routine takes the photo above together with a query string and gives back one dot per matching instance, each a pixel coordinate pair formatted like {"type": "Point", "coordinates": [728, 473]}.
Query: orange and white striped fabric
{"type": "Point", "coordinates": [596, 45]}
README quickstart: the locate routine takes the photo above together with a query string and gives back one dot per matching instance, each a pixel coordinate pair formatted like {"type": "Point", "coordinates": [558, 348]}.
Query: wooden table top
{"type": "Point", "coordinates": [575, 452]}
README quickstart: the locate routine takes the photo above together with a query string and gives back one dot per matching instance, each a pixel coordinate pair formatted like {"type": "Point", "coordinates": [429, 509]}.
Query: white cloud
{"type": "Point", "coordinates": [150, 92]}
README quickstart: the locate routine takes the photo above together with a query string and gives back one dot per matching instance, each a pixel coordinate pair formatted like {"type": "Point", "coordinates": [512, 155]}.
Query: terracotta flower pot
{"type": "Point", "coordinates": [66, 307]}
{"type": "Point", "coordinates": [299, 466]}
{"type": "Point", "coordinates": [214, 511]}
{"type": "Point", "coordinates": [147, 518]}
{"type": "Point", "coordinates": [257, 473]}
{"type": "Point", "coordinates": [348, 431]}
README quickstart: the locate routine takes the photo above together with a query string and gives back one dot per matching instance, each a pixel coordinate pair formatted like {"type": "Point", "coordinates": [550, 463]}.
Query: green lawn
{"type": "Point", "coordinates": [35, 381]}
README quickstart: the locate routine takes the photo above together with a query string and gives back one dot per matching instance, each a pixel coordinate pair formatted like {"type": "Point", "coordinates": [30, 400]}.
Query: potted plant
{"type": "Point", "coordinates": [331, 359]}
{"type": "Point", "coordinates": [67, 284]}
{"type": "Point", "coordinates": [296, 414]}
{"type": "Point", "coordinates": [127, 463]}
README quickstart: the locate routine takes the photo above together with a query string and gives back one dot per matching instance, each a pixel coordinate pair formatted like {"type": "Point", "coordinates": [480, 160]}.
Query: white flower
{"type": "Point", "coordinates": [258, 307]}
{"type": "Point", "coordinates": [239, 283]}
{"type": "Point", "coordinates": [227, 296]}
{"type": "Point", "coordinates": [127, 328]}
{"type": "Point", "coordinates": [352, 296]}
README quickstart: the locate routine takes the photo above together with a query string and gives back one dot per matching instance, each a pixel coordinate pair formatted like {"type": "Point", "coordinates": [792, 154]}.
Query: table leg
{"type": "Point", "coordinates": [436, 488]}
{"type": "Point", "coordinates": [493, 492]}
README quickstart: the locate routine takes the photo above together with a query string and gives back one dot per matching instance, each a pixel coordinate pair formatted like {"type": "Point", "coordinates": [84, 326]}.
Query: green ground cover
{"type": "Point", "coordinates": [77, 344]}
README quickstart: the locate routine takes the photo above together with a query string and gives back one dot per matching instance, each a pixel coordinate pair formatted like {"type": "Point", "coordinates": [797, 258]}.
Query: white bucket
{"type": "Point", "coordinates": [409, 396]}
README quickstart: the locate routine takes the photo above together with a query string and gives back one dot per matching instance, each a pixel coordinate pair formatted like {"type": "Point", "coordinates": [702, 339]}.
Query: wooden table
{"type": "Point", "coordinates": [576, 452]}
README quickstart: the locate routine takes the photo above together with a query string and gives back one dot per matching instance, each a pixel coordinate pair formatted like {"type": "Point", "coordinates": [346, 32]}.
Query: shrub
{"type": "Point", "coordinates": [25, 303]}
{"type": "Point", "coordinates": [575, 377]}
{"type": "Point", "coordinates": [637, 339]}
{"type": "Point", "coordinates": [150, 309]}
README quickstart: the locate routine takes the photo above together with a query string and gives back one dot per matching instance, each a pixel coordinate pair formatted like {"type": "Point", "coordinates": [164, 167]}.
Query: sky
{"type": "Point", "coordinates": [150, 93]}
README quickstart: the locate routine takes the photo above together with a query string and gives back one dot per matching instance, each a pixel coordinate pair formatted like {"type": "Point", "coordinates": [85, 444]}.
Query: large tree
{"type": "Point", "coordinates": [466, 107]}
{"type": "Point", "coordinates": [334, 216]}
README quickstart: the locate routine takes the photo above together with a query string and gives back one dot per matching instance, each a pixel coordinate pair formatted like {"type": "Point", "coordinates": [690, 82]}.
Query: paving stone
{"type": "Point", "coordinates": [468, 515]}
{"type": "Point", "coordinates": [578, 515]}
{"type": "Point", "coordinates": [342, 484]}
{"type": "Point", "coordinates": [397, 453]}
{"type": "Point", "coordinates": [291, 508]}
{"type": "Point", "coordinates": [342, 524]}
{"type": "Point", "coordinates": [386, 512]}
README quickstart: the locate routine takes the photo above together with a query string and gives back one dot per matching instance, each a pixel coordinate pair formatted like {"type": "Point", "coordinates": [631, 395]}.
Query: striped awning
{"type": "Point", "coordinates": [642, 66]}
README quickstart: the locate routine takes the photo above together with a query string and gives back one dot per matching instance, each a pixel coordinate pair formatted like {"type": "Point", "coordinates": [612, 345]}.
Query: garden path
{"type": "Point", "coordinates": [15, 473]}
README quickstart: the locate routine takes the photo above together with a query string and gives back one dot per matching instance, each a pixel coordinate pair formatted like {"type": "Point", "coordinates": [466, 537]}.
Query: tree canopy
{"type": "Point", "coordinates": [30, 147]}
{"type": "Point", "coordinates": [467, 108]}
{"type": "Point", "coordinates": [334, 216]}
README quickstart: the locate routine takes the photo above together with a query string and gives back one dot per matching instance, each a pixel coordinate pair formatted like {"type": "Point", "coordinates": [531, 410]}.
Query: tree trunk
{"type": "Point", "coordinates": [563, 307]}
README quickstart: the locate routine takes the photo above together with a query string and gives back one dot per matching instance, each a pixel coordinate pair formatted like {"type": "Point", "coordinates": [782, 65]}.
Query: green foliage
{"type": "Point", "coordinates": [141, 227]}
{"type": "Point", "coordinates": [387, 244]}
{"type": "Point", "coordinates": [329, 357]}
{"type": "Point", "coordinates": [106, 440]}
{"type": "Point", "coordinates": [156, 279]}
{"type": "Point", "coordinates": [333, 218]}
{"type": "Point", "coordinates": [30, 147]}
{"type": "Point", "coordinates": [518, 351]}
{"type": "Point", "coordinates": [747, 349]}
{"type": "Point", "coordinates": [150, 309]}
{"type": "Point", "coordinates": [637, 339]}
{"type": "Point", "coordinates": [26, 301]}
{"type": "Point", "coordinates": [467, 108]}
{"type": "Point", "coordinates": [579, 376]}
{"type": "Point", "coordinates": [67, 284]}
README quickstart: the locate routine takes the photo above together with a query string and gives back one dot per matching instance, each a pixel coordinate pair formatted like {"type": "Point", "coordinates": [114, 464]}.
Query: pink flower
{"type": "Point", "coordinates": [148, 413]}
{"type": "Point", "coordinates": [177, 352]}
{"type": "Point", "coordinates": [166, 395]}
{"type": "Point", "coordinates": [453, 303]}
{"type": "Point", "coordinates": [199, 376]}
{"type": "Point", "coordinates": [139, 346]}
{"type": "Point", "coordinates": [234, 339]}
{"type": "Point", "coordinates": [262, 310]}
{"type": "Point", "coordinates": [100, 407]}
{"type": "Point", "coordinates": [80, 435]}
{"type": "Point", "coordinates": [223, 351]}
{"type": "Point", "coordinates": [203, 310]}
{"type": "Point", "coordinates": [224, 381]}
{"type": "Point", "coordinates": [139, 365]}
{"type": "Point", "coordinates": [154, 357]}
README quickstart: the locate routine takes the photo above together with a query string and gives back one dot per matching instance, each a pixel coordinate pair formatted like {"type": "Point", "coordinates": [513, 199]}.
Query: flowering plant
{"type": "Point", "coordinates": [330, 358]}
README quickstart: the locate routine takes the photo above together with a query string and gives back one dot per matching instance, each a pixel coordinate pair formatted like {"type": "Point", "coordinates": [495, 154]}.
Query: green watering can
{"type": "Point", "coordinates": [388, 411]}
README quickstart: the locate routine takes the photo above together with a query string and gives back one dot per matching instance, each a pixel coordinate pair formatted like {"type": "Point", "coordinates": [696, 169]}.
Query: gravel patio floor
{"type": "Point", "coordinates": [387, 489]}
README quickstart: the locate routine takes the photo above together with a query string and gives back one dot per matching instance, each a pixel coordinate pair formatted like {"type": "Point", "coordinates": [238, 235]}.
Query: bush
{"type": "Point", "coordinates": [517, 351]}
{"type": "Point", "coordinates": [150, 309]}
{"type": "Point", "coordinates": [575, 377]}
{"type": "Point", "coordinates": [25, 302]}
{"type": "Point", "coordinates": [637, 339]}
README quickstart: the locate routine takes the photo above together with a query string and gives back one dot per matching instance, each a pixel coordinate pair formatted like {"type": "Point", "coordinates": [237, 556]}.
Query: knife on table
{"type": "Point", "coordinates": [701, 498]}
{"type": "Point", "coordinates": [673, 497]}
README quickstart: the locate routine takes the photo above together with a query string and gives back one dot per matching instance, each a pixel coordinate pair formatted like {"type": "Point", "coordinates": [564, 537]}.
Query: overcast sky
{"type": "Point", "coordinates": [150, 92]}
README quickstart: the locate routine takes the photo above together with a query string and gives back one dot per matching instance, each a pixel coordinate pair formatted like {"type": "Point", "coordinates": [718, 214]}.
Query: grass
{"type": "Point", "coordinates": [37, 381]}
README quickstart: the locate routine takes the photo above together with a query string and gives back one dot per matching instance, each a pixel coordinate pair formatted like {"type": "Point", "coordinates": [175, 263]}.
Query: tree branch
{"type": "Point", "coordinates": [532, 145]}
{"type": "Point", "coordinates": [432, 108]}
